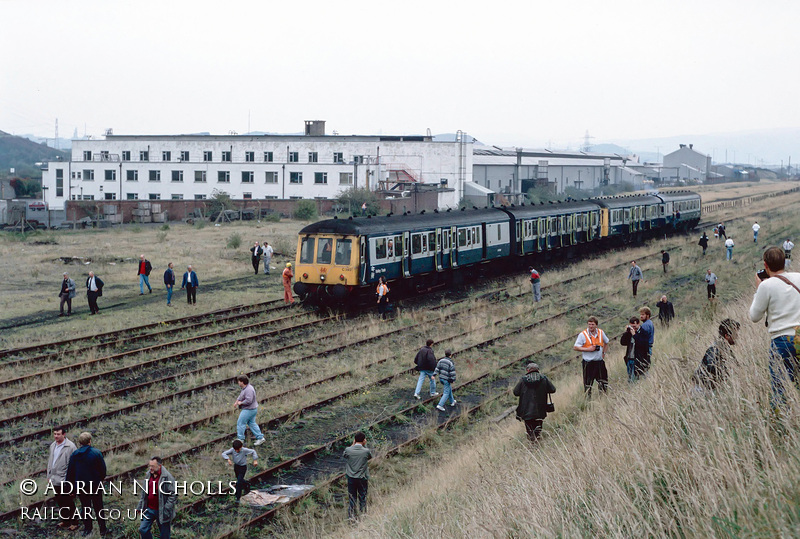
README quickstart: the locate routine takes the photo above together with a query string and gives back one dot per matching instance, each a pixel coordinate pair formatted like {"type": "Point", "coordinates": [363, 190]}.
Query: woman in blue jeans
{"type": "Point", "coordinates": [249, 406]}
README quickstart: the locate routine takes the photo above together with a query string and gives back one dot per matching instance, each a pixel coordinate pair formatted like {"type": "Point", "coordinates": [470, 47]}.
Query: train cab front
{"type": "Point", "coordinates": [326, 268]}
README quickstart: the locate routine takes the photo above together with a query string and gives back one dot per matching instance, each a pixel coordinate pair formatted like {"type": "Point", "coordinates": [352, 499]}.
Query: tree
{"type": "Point", "coordinates": [26, 188]}
{"type": "Point", "coordinates": [220, 201]}
{"type": "Point", "coordinates": [353, 199]}
{"type": "Point", "coordinates": [305, 210]}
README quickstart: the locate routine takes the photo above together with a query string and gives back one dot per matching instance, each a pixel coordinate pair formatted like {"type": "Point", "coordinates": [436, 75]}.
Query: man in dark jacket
{"type": "Point", "coordinates": [94, 290]}
{"type": "Point", "coordinates": [666, 312]}
{"type": "Point", "coordinates": [158, 500]}
{"type": "Point", "coordinates": [66, 294]}
{"type": "Point", "coordinates": [703, 242]}
{"type": "Point", "coordinates": [532, 390]}
{"type": "Point", "coordinates": [713, 368]}
{"type": "Point", "coordinates": [191, 283]}
{"type": "Point", "coordinates": [425, 363]}
{"type": "Point", "coordinates": [255, 256]}
{"type": "Point", "coordinates": [169, 282]}
{"type": "Point", "coordinates": [664, 260]}
{"type": "Point", "coordinates": [144, 275]}
{"type": "Point", "coordinates": [85, 473]}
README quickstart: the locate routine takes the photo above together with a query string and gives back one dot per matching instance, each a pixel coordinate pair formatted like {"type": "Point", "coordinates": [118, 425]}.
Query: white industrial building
{"type": "Point", "coordinates": [689, 163]}
{"type": "Point", "coordinates": [313, 165]}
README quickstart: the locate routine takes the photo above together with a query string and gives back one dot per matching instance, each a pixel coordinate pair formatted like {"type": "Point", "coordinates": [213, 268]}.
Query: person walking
{"type": "Point", "coordinates": [729, 246]}
{"type": "Point", "coordinates": [356, 459]}
{"type": "Point", "coordinates": [635, 275]}
{"type": "Point", "coordinates": [592, 343]}
{"type": "Point", "coordinates": [157, 502]}
{"type": "Point", "coordinates": [169, 282]}
{"type": "Point", "coordinates": [666, 312]}
{"type": "Point", "coordinates": [536, 285]}
{"type": "Point", "coordinates": [721, 228]}
{"type": "Point", "coordinates": [247, 403]}
{"type": "Point", "coordinates": [756, 228]}
{"type": "Point", "coordinates": [191, 283]}
{"type": "Point", "coordinates": [714, 365]}
{"type": "Point", "coordinates": [382, 293]}
{"type": "Point", "coordinates": [425, 362]}
{"type": "Point", "coordinates": [532, 390]}
{"type": "Point", "coordinates": [268, 251]}
{"type": "Point", "coordinates": [627, 341]}
{"type": "Point", "coordinates": [57, 465]}
{"type": "Point", "coordinates": [66, 294]}
{"type": "Point", "coordinates": [144, 275]}
{"type": "Point", "coordinates": [88, 468]}
{"type": "Point", "coordinates": [711, 284]}
{"type": "Point", "coordinates": [446, 371]}
{"type": "Point", "coordinates": [236, 456]}
{"type": "Point", "coordinates": [255, 257]}
{"type": "Point", "coordinates": [787, 253]}
{"type": "Point", "coordinates": [778, 297]}
{"type": "Point", "coordinates": [703, 243]}
{"type": "Point", "coordinates": [94, 290]}
{"type": "Point", "coordinates": [664, 260]}
{"type": "Point", "coordinates": [287, 284]}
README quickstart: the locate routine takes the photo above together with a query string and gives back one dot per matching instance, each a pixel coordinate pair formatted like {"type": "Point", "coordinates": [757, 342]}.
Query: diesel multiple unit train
{"type": "Point", "coordinates": [339, 261]}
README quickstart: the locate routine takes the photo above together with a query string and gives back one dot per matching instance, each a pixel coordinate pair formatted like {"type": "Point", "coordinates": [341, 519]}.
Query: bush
{"type": "Point", "coordinates": [199, 224]}
{"type": "Point", "coordinates": [234, 241]}
{"type": "Point", "coordinates": [136, 229]}
{"type": "Point", "coordinates": [353, 199]}
{"type": "Point", "coordinates": [305, 210]}
{"type": "Point", "coordinates": [161, 236]}
{"type": "Point", "coordinates": [272, 217]}
{"type": "Point", "coordinates": [165, 226]}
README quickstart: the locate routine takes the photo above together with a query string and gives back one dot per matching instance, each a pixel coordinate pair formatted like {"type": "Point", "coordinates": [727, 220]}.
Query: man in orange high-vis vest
{"type": "Point", "coordinates": [383, 297]}
{"type": "Point", "coordinates": [287, 284]}
{"type": "Point", "coordinates": [592, 342]}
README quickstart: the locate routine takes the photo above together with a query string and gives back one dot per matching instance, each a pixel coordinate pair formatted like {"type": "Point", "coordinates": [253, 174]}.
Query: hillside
{"type": "Point", "coordinates": [22, 155]}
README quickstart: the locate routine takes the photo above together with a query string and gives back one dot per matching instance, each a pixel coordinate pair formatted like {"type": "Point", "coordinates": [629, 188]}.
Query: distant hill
{"type": "Point", "coordinates": [22, 155]}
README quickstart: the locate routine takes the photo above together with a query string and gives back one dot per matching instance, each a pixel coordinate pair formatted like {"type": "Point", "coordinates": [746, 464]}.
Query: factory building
{"type": "Point", "coordinates": [689, 163]}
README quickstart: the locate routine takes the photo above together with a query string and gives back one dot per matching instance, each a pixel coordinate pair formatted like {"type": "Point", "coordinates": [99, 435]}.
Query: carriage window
{"type": "Point", "coordinates": [424, 242]}
{"type": "Point", "coordinates": [380, 248]}
{"type": "Point", "coordinates": [416, 244]}
{"type": "Point", "coordinates": [431, 241]}
{"type": "Point", "coordinates": [499, 233]}
{"type": "Point", "coordinates": [390, 249]}
{"type": "Point", "coordinates": [476, 235]}
{"type": "Point", "coordinates": [462, 237]}
{"type": "Point", "coordinates": [343, 248]}
{"type": "Point", "coordinates": [324, 251]}
{"type": "Point", "coordinates": [307, 251]}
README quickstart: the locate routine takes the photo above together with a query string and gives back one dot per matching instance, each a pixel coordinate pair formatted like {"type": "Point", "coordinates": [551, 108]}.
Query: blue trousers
{"type": "Point", "coordinates": [144, 280]}
{"type": "Point", "coordinates": [782, 365]}
{"type": "Point", "coordinates": [422, 376]}
{"type": "Point", "coordinates": [247, 418]}
{"type": "Point", "coordinates": [447, 394]}
{"type": "Point", "coordinates": [169, 295]}
{"type": "Point", "coordinates": [149, 518]}
{"type": "Point", "coordinates": [730, 253]}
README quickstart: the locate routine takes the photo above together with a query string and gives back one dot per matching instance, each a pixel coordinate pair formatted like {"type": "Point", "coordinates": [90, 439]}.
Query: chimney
{"type": "Point", "coordinates": [315, 128]}
{"type": "Point", "coordinates": [691, 146]}
{"type": "Point", "coordinates": [682, 145]}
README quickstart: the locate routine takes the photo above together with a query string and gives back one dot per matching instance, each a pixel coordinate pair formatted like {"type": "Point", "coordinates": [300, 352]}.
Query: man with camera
{"type": "Point", "coordinates": [592, 343]}
{"type": "Point", "coordinates": [778, 296]}
{"type": "Point", "coordinates": [532, 390]}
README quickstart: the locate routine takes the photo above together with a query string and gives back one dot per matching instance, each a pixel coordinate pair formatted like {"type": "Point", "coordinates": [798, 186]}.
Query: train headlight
{"type": "Point", "coordinates": [322, 278]}
{"type": "Point", "coordinates": [341, 277]}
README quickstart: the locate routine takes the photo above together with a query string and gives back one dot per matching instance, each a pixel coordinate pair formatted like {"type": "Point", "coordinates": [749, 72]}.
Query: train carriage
{"type": "Point", "coordinates": [626, 218]}
{"type": "Point", "coordinates": [681, 209]}
{"type": "Point", "coordinates": [552, 226]}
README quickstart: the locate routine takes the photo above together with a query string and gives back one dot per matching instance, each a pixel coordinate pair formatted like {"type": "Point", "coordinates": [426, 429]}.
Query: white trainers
{"type": "Point", "coordinates": [416, 396]}
{"type": "Point", "coordinates": [440, 408]}
{"type": "Point", "coordinates": [260, 441]}
{"type": "Point", "coordinates": [453, 403]}
{"type": "Point", "coordinates": [435, 394]}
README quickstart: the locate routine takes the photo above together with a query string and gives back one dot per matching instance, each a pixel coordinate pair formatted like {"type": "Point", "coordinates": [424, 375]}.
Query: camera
{"type": "Point", "coordinates": [762, 274]}
{"type": "Point", "coordinates": [597, 347]}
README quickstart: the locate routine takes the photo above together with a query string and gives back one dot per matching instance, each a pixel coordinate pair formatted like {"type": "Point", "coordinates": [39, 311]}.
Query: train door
{"type": "Point", "coordinates": [438, 249]}
{"type": "Point", "coordinates": [520, 237]}
{"type": "Point", "coordinates": [406, 257]}
{"type": "Point", "coordinates": [453, 248]}
{"type": "Point", "coordinates": [483, 243]}
{"type": "Point", "coordinates": [363, 260]}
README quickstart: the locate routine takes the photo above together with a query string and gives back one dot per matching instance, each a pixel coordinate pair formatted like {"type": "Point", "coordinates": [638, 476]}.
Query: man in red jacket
{"type": "Point", "coordinates": [144, 275]}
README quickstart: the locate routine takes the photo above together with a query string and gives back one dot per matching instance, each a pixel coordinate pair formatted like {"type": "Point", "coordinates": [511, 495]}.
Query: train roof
{"type": "Point", "coordinates": [626, 201]}
{"type": "Point", "coordinates": [393, 223]}
{"type": "Point", "coordinates": [678, 195]}
{"type": "Point", "coordinates": [541, 210]}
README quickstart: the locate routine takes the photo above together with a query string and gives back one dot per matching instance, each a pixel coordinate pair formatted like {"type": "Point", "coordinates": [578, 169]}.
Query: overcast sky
{"type": "Point", "coordinates": [525, 73]}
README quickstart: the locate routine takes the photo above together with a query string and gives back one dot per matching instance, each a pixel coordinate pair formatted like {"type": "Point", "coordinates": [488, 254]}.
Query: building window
{"type": "Point", "coordinates": [59, 182]}
{"type": "Point", "coordinates": [126, 155]}
{"type": "Point", "coordinates": [321, 177]}
{"type": "Point", "coordinates": [295, 198]}
{"type": "Point", "coordinates": [132, 175]}
{"type": "Point", "coordinates": [294, 157]}
{"type": "Point", "coordinates": [249, 156]}
{"type": "Point", "coordinates": [88, 175]}
{"type": "Point", "coordinates": [224, 176]}
{"type": "Point", "coordinates": [200, 176]}
{"type": "Point", "coordinates": [154, 196]}
{"type": "Point", "coordinates": [177, 196]}
{"type": "Point", "coordinates": [88, 197]}
{"type": "Point", "coordinates": [313, 157]}
{"type": "Point", "coordinates": [166, 156]}
{"type": "Point", "coordinates": [268, 157]}
{"type": "Point", "coordinates": [248, 176]}
{"type": "Point", "coordinates": [200, 197]}
{"type": "Point", "coordinates": [155, 175]}
{"type": "Point", "coordinates": [271, 177]}
{"type": "Point", "coordinates": [247, 196]}
{"type": "Point", "coordinates": [111, 175]}
{"type": "Point", "coordinates": [345, 178]}
{"type": "Point", "coordinates": [338, 157]}
{"type": "Point", "coordinates": [111, 196]}
{"type": "Point", "coordinates": [184, 156]}
{"type": "Point", "coordinates": [177, 175]}
{"type": "Point", "coordinates": [295, 177]}
{"type": "Point", "coordinates": [208, 156]}
{"type": "Point", "coordinates": [144, 156]}
{"type": "Point", "coordinates": [133, 196]}
{"type": "Point", "coordinates": [87, 155]}
{"type": "Point", "coordinates": [271, 197]}
{"type": "Point", "coordinates": [104, 155]}
{"type": "Point", "coordinates": [226, 157]}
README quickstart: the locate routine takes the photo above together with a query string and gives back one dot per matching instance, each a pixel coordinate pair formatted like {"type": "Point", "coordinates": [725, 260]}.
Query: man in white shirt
{"type": "Point", "coordinates": [756, 228]}
{"type": "Point", "coordinates": [57, 463]}
{"type": "Point", "coordinates": [729, 246]}
{"type": "Point", "coordinates": [778, 296]}
{"type": "Point", "coordinates": [787, 252]}
{"type": "Point", "coordinates": [267, 250]}
{"type": "Point", "coordinates": [94, 289]}
{"type": "Point", "coordinates": [592, 342]}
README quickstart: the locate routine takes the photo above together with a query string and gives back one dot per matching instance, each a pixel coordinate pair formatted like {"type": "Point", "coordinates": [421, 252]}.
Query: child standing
{"type": "Point", "coordinates": [238, 454]}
